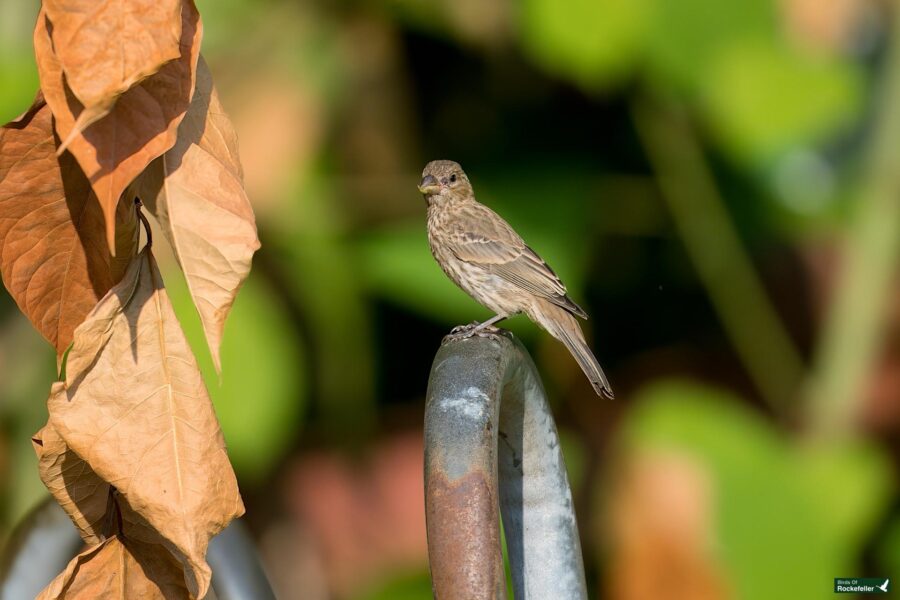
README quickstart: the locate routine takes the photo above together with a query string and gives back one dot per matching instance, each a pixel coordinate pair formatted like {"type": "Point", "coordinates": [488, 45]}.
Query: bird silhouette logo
{"type": "Point", "coordinates": [884, 586]}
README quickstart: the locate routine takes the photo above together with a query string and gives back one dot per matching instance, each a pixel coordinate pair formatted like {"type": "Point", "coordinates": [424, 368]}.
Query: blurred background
{"type": "Point", "coordinates": [718, 184]}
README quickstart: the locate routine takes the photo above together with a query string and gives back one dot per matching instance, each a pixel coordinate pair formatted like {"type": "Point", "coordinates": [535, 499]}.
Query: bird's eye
{"type": "Point", "coordinates": [453, 178]}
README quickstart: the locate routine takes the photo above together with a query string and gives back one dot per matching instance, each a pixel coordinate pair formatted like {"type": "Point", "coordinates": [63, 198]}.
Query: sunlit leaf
{"type": "Point", "coordinates": [593, 42]}
{"type": "Point", "coordinates": [852, 513]}
{"type": "Point", "coordinates": [82, 494]}
{"type": "Point", "coordinates": [415, 586]}
{"type": "Point", "coordinates": [119, 568]}
{"type": "Point", "coordinates": [767, 493]}
{"type": "Point", "coordinates": [18, 80]}
{"type": "Point", "coordinates": [141, 126]}
{"type": "Point", "coordinates": [135, 408]}
{"type": "Point", "coordinates": [197, 193]}
{"type": "Point", "coordinates": [686, 35]}
{"type": "Point", "coordinates": [53, 253]}
{"type": "Point", "coordinates": [763, 99]}
{"type": "Point", "coordinates": [273, 375]}
{"type": "Point", "coordinates": [106, 47]}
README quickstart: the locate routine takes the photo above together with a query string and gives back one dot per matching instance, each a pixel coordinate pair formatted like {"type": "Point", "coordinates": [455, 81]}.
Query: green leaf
{"type": "Point", "coordinates": [852, 511]}
{"type": "Point", "coordinates": [771, 500]}
{"type": "Point", "coordinates": [593, 42]}
{"type": "Point", "coordinates": [18, 72]}
{"type": "Point", "coordinates": [687, 34]}
{"type": "Point", "coordinates": [19, 82]}
{"type": "Point", "coordinates": [889, 548]}
{"type": "Point", "coordinates": [27, 367]}
{"type": "Point", "coordinates": [416, 586]}
{"type": "Point", "coordinates": [763, 99]}
{"type": "Point", "coordinates": [261, 397]}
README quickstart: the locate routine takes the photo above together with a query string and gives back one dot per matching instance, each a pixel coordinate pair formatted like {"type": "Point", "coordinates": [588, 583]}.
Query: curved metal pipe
{"type": "Point", "coordinates": [40, 547]}
{"type": "Point", "coordinates": [491, 446]}
{"type": "Point", "coordinates": [45, 541]}
{"type": "Point", "coordinates": [237, 573]}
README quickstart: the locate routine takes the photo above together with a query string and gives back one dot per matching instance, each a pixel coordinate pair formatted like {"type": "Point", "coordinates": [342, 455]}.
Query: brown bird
{"type": "Point", "coordinates": [482, 254]}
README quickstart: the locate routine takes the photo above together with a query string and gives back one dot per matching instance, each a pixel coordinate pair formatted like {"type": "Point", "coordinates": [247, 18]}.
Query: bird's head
{"type": "Point", "coordinates": [444, 180]}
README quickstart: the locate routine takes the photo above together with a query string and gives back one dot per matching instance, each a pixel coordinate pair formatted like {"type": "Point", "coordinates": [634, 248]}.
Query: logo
{"type": "Point", "coordinates": [861, 585]}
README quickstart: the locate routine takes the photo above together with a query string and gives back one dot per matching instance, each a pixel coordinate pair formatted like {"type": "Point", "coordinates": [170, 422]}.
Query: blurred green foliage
{"type": "Point", "coordinates": [595, 42]}
{"type": "Point", "coordinates": [760, 94]}
{"type": "Point", "coordinates": [18, 74]}
{"type": "Point", "coordinates": [260, 396]}
{"type": "Point", "coordinates": [340, 104]}
{"type": "Point", "coordinates": [410, 587]}
{"type": "Point", "coordinates": [27, 367]}
{"type": "Point", "coordinates": [764, 99]}
{"type": "Point", "coordinates": [773, 498]}
{"type": "Point", "coordinates": [889, 551]}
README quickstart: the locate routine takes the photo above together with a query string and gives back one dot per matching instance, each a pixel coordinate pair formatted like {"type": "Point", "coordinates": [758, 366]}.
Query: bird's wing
{"type": "Point", "coordinates": [481, 237]}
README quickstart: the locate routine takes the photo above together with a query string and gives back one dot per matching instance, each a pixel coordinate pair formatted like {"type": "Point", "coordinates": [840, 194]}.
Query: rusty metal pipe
{"type": "Point", "coordinates": [491, 448]}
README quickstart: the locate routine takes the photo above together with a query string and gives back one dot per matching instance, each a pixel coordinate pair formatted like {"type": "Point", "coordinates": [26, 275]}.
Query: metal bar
{"type": "Point", "coordinates": [45, 541]}
{"type": "Point", "coordinates": [237, 573]}
{"type": "Point", "coordinates": [485, 390]}
{"type": "Point", "coordinates": [461, 493]}
{"type": "Point", "coordinates": [40, 547]}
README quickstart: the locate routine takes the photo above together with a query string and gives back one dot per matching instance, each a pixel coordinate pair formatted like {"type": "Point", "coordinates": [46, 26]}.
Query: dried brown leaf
{"type": "Point", "coordinates": [106, 47]}
{"type": "Point", "coordinates": [196, 191]}
{"type": "Point", "coordinates": [82, 494]}
{"type": "Point", "coordinates": [141, 126]}
{"type": "Point", "coordinates": [119, 568]}
{"type": "Point", "coordinates": [137, 411]}
{"type": "Point", "coordinates": [95, 507]}
{"type": "Point", "coordinates": [53, 253]}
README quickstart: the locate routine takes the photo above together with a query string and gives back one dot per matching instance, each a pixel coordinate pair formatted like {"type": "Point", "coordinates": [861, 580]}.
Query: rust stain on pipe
{"type": "Point", "coordinates": [464, 537]}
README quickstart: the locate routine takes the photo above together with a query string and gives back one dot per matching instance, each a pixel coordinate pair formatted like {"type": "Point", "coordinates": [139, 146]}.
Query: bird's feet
{"type": "Point", "coordinates": [464, 332]}
{"type": "Point", "coordinates": [467, 330]}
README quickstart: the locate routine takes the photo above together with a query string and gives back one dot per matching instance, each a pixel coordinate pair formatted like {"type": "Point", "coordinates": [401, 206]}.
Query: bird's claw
{"type": "Point", "coordinates": [464, 329]}
{"type": "Point", "coordinates": [464, 332]}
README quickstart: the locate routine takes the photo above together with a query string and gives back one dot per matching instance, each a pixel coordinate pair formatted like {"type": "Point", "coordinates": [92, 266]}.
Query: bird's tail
{"type": "Point", "coordinates": [564, 327]}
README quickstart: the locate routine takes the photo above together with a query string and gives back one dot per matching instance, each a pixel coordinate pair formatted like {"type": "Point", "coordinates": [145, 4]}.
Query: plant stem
{"type": "Point", "coordinates": [853, 327]}
{"type": "Point", "coordinates": [714, 247]}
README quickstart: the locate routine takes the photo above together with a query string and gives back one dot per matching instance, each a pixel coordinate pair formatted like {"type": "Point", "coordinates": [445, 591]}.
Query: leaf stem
{"type": "Point", "coordinates": [138, 204]}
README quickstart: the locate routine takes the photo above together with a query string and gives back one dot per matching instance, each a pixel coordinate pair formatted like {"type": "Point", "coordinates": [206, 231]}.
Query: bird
{"type": "Point", "coordinates": [483, 255]}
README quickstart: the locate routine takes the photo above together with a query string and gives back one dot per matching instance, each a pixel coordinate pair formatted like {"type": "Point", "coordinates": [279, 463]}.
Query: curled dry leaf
{"type": "Point", "coordinates": [82, 494]}
{"type": "Point", "coordinates": [137, 411]}
{"type": "Point", "coordinates": [141, 126]}
{"type": "Point", "coordinates": [106, 47]}
{"type": "Point", "coordinates": [119, 568]}
{"type": "Point", "coordinates": [95, 507]}
{"type": "Point", "coordinates": [53, 253]}
{"type": "Point", "coordinates": [196, 191]}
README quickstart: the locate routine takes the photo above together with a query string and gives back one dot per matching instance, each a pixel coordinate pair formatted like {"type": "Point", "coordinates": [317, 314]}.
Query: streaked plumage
{"type": "Point", "coordinates": [484, 256]}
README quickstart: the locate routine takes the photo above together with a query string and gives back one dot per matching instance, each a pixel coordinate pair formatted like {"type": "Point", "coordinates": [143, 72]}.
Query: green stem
{"type": "Point", "coordinates": [714, 247]}
{"type": "Point", "coordinates": [853, 328]}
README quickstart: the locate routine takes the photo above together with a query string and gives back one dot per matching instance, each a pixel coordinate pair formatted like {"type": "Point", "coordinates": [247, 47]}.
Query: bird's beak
{"type": "Point", "coordinates": [429, 185]}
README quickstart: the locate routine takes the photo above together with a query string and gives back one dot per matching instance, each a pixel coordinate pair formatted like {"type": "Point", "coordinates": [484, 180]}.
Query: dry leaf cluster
{"type": "Point", "coordinates": [127, 115]}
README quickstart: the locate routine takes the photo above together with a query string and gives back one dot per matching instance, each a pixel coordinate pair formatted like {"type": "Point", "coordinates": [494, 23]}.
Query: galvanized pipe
{"type": "Point", "coordinates": [491, 447]}
{"type": "Point", "coordinates": [237, 573]}
{"type": "Point", "coordinates": [40, 547]}
{"type": "Point", "coordinates": [45, 541]}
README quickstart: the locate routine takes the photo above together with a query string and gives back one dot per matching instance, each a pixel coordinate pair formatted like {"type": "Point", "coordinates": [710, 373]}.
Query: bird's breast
{"type": "Point", "coordinates": [487, 288]}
